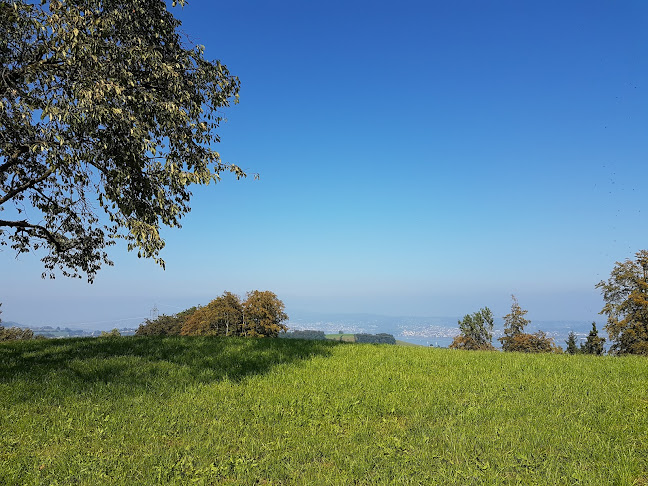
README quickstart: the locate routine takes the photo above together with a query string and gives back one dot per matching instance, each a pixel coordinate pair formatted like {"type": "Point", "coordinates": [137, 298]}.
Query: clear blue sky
{"type": "Point", "coordinates": [415, 158]}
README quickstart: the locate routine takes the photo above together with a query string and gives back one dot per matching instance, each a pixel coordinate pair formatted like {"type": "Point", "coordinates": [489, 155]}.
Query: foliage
{"type": "Point", "coordinates": [197, 410]}
{"type": "Point", "coordinates": [571, 344]}
{"type": "Point", "coordinates": [594, 343]}
{"type": "Point", "coordinates": [15, 333]}
{"type": "Point", "coordinates": [516, 340]}
{"type": "Point", "coordinates": [380, 338]}
{"type": "Point", "coordinates": [102, 106]}
{"type": "Point", "coordinates": [476, 331]}
{"type": "Point", "coordinates": [263, 314]}
{"type": "Point", "coordinates": [223, 316]}
{"type": "Point", "coordinates": [305, 334]}
{"type": "Point", "coordinates": [112, 333]}
{"type": "Point", "coordinates": [165, 325]}
{"type": "Point", "coordinates": [626, 305]}
{"type": "Point", "coordinates": [514, 324]}
{"type": "Point", "coordinates": [532, 343]}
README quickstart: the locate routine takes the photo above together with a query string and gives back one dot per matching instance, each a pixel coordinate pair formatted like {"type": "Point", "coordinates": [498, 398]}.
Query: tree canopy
{"type": "Point", "coordinates": [107, 116]}
{"type": "Point", "coordinates": [626, 305]}
{"type": "Point", "coordinates": [263, 314]}
{"type": "Point", "coordinates": [223, 316]}
{"type": "Point", "coordinates": [476, 331]}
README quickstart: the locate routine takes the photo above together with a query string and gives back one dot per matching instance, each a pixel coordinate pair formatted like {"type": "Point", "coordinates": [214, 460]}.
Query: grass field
{"type": "Point", "coordinates": [234, 411]}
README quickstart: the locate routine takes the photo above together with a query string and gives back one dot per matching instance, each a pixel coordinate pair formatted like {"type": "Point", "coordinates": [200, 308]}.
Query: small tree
{"type": "Point", "coordinates": [571, 343]}
{"type": "Point", "coordinates": [594, 343]}
{"type": "Point", "coordinates": [15, 334]}
{"type": "Point", "coordinates": [476, 331]}
{"type": "Point", "coordinates": [113, 333]}
{"type": "Point", "coordinates": [515, 339]}
{"type": "Point", "coordinates": [626, 305]}
{"type": "Point", "coordinates": [514, 324]}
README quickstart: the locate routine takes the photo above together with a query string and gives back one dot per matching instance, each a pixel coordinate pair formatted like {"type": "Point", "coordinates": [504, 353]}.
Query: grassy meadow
{"type": "Point", "coordinates": [212, 411]}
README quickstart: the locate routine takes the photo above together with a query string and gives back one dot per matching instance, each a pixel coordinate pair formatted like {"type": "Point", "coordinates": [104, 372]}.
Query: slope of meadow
{"type": "Point", "coordinates": [274, 411]}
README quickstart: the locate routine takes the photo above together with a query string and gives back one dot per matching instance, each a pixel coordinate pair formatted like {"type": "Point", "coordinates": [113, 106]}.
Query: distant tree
{"type": "Point", "coordinates": [537, 342]}
{"type": "Point", "coordinates": [305, 334]}
{"type": "Point", "coordinates": [594, 343]}
{"type": "Point", "coordinates": [165, 325]}
{"type": "Point", "coordinates": [514, 324]}
{"type": "Point", "coordinates": [113, 333]}
{"type": "Point", "coordinates": [15, 333]}
{"type": "Point", "coordinates": [476, 331]}
{"type": "Point", "coordinates": [223, 316]}
{"type": "Point", "coordinates": [380, 338]}
{"type": "Point", "coordinates": [626, 305]}
{"type": "Point", "coordinates": [263, 314]}
{"type": "Point", "coordinates": [516, 340]}
{"type": "Point", "coordinates": [104, 107]}
{"type": "Point", "coordinates": [571, 344]}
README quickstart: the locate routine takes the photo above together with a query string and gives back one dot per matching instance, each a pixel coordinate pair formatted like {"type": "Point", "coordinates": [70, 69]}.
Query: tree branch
{"type": "Point", "coordinates": [11, 194]}
{"type": "Point", "coordinates": [24, 225]}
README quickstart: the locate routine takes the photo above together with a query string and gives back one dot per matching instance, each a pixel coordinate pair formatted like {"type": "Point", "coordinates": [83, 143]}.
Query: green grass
{"type": "Point", "coordinates": [232, 411]}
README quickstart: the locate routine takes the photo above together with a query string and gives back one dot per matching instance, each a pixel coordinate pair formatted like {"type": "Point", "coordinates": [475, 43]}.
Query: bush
{"type": "Point", "coordinates": [114, 333]}
{"type": "Point", "coordinates": [530, 343]}
{"type": "Point", "coordinates": [15, 334]}
{"type": "Point", "coordinates": [165, 325]}
{"type": "Point", "coordinates": [306, 334]}
{"type": "Point", "coordinates": [381, 338]}
{"type": "Point", "coordinates": [469, 344]}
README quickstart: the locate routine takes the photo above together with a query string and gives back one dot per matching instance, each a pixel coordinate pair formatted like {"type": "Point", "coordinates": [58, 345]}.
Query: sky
{"type": "Point", "coordinates": [414, 158]}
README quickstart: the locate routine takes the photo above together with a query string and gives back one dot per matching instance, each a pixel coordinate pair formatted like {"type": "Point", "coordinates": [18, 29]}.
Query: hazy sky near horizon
{"type": "Point", "coordinates": [420, 158]}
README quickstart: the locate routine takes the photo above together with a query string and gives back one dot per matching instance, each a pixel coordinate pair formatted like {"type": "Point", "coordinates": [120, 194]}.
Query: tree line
{"type": "Point", "coordinates": [477, 334]}
{"type": "Point", "coordinates": [261, 314]}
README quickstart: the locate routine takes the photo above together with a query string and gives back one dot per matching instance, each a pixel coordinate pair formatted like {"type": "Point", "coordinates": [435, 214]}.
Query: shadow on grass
{"type": "Point", "coordinates": [62, 367]}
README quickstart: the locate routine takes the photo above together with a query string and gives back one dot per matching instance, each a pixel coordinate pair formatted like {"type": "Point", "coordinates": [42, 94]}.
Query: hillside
{"type": "Point", "coordinates": [235, 411]}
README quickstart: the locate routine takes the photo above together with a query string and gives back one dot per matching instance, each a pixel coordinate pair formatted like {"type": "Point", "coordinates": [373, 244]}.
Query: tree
{"type": "Point", "coordinates": [626, 305]}
{"type": "Point", "coordinates": [263, 314]}
{"type": "Point", "coordinates": [165, 325]}
{"type": "Point", "coordinates": [516, 340]}
{"type": "Point", "coordinates": [594, 343]}
{"type": "Point", "coordinates": [15, 333]}
{"type": "Point", "coordinates": [102, 110]}
{"type": "Point", "coordinates": [571, 343]}
{"type": "Point", "coordinates": [476, 331]}
{"type": "Point", "coordinates": [223, 316]}
{"type": "Point", "coordinates": [514, 324]}
{"type": "Point", "coordinates": [113, 333]}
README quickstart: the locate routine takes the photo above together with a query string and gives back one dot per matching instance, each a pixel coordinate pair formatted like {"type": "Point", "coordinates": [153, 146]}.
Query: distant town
{"type": "Point", "coordinates": [65, 332]}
